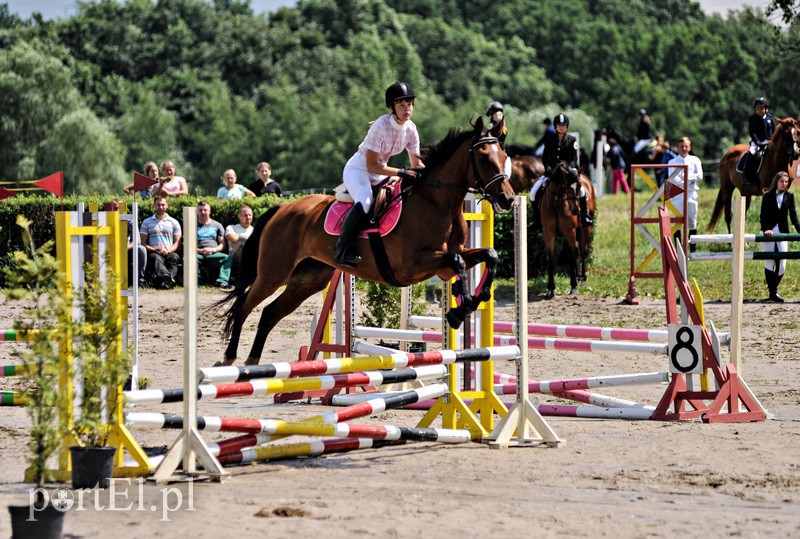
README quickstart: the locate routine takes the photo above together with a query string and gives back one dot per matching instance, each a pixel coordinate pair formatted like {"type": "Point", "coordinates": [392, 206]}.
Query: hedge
{"type": "Point", "coordinates": [40, 211]}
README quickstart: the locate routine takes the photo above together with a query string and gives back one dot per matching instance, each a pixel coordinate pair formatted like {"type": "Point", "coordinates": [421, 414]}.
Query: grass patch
{"type": "Point", "coordinates": [609, 266]}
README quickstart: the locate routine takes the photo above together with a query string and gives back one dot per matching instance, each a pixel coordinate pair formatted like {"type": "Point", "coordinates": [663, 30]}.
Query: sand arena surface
{"type": "Point", "coordinates": [618, 478]}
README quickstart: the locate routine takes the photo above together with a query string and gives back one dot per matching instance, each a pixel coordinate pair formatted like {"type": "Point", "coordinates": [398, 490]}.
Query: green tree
{"type": "Point", "coordinates": [84, 147]}
{"type": "Point", "coordinates": [36, 91]}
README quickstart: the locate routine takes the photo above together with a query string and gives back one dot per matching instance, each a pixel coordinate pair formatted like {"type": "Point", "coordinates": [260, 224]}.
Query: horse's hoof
{"type": "Point", "coordinates": [550, 294]}
{"type": "Point", "coordinates": [252, 361]}
{"type": "Point", "coordinates": [224, 363]}
{"type": "Point", "coordinates": [574, 292]}
{"type": "Point", "coordinates": [453, 319]}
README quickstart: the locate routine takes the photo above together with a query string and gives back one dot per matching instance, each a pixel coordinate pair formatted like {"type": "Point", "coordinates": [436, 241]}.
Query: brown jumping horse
{"type": "Point", "coordinates": [525, 170]}
{"type": "Point", "coordinates": [777, 157]}
{"type": "Point", "coordinates": [560, 212]}
{"type": "Point", "coordinates": [289, 245]}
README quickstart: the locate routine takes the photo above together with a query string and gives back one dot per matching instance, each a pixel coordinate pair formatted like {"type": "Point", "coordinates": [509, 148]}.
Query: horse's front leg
{"type": "Point", "coordinates": [463, 298]}
{"type": "Point", "coordinates": [488, 256]}
{"type": "Point", "coordinates": [571, 242]}
{"type": "Point", "coordinates": [550, 250]}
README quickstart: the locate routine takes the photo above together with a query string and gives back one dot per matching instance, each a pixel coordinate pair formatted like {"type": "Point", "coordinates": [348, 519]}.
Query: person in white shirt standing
{"type": "Point", "coordinates": [695, 174]}
{"type": "Point", "coordinates": [388, 135]}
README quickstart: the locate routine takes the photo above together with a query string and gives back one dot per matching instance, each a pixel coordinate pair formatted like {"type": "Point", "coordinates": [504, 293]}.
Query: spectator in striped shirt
{"type": "Point", "coordinates": [161, 236]}
{"type": "Point", "coordinates": [389, 135]}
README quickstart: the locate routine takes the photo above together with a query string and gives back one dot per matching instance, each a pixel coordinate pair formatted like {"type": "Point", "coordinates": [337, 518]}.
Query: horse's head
{"type": "Point", "coordinates": [786, 136]}
{"type": "Point", "coordinates": [491, 168]}
{"type": "Point", "coordinates": [566, 186]}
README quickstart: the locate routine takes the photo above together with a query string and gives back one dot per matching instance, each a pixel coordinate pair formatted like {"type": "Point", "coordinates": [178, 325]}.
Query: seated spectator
{"type": "Point", "coordinates": [151, 171]}
{"type": "Point", "coordinates": [233, 190]}
{"type": "Point", "coordinates": [264, 184]}
{"type": "Point", "coordinates": [169, 184]}
{"type": "Point", "coordinates": [237, 236]}
{"type": "Point", "coordinates": [141, 253]}
{"type": "Point", "coordinates": [161, 236]}
{"type": "Point", "coordinates": [210, 246]}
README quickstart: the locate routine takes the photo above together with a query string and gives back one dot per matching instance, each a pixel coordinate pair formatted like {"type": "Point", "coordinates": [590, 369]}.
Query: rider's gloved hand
{"type": "Point", "coordinates": [408, 173]}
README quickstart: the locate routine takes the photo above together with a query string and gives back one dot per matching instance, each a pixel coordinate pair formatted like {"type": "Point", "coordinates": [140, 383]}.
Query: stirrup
{"type": "Point", "coordinates": [347, 258]}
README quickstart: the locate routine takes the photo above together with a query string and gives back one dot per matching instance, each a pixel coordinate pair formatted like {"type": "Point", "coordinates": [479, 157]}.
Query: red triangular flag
{"type": "Point", "coordinates": [674, 190]}
{"type": "Point", "coordinates": [5, 193]}
{"type": "Point", "coordinates": [140, 181]}
{"type": "Point", "coordinates": [54, 183]}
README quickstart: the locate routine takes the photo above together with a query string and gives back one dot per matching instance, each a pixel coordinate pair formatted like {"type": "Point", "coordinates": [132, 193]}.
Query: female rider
{"type": "Point", "coordinates": [389, 135]}
{"type": "Point", "coordinates": [559, 147]}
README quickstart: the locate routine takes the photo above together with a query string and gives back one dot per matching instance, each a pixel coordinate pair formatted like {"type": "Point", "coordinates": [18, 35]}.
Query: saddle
{"type": "Point", "coordinates": [383, 216]}
{"type": "Point", "coordinates": [749, 165]}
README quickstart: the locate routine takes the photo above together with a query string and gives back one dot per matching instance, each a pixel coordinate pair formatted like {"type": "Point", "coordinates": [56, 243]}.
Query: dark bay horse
{"type": "Point", "coordinates": [778, 156]}
{"type": "Point", "coordinates": [525, 170]}
{"type": "Point", "coordinates": [289, 245]}
{"type": "Point", "coordinates": [560, 213]}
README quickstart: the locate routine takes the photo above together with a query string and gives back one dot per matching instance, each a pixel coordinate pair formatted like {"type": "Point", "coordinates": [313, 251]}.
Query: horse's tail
{"type": "Point", "coordinates": [719, 204]}
{"type": "Point", "coordinates": [248, 269]}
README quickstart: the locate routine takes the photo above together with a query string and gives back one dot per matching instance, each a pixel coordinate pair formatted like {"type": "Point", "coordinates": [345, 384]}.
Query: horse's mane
{"type": "Point", "coordinates": [779, 130]}
{"type": "Point", "coordinates": [438, 152]}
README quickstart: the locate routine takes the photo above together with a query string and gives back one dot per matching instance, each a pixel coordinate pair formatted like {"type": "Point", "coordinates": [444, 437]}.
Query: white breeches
{"type": "Point", "coordinates": [778, 266]}
{"type": "Point", "coordinates": [359, 182]}
{"type": "Point", "coordinates": [536, 187]}
{"type": "Point", "coordinates": [691, 209]}
{"type": "Point", "coordinates": [641, 145]}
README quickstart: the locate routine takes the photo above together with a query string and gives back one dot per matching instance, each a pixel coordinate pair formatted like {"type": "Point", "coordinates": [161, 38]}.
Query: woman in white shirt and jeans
{"type": "Point", "coordinates": [388, 135]}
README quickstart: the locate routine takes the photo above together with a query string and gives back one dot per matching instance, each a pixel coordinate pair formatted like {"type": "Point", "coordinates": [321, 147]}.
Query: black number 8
{"type": "Point", "coordinates": [687, 345]}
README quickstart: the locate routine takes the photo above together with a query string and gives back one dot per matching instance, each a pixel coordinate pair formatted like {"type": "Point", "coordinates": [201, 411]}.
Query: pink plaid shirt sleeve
{"type": "Point", "coordinates": [387, 140]}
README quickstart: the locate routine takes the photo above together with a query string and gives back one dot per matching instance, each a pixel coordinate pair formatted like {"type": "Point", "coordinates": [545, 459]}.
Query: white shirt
{"type": "Point", "coordinates": [243, 234]}
{"type": "Point", "coordinates": [695, 172]}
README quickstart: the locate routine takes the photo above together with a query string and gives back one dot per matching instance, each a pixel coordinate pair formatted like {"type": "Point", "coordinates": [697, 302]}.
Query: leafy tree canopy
{"type": "Point", "coordinates": [211, 85]}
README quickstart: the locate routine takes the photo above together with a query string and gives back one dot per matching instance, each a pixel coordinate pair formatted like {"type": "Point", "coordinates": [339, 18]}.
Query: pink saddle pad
{"type": "Point", "coordinates": [338, 211]}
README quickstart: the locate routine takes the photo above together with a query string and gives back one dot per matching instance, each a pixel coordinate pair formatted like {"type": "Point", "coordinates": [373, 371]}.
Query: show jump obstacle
{"type": "Point", "coordinates": [661, 195]}
{"type": "Point", "coordinates": [108, 232]}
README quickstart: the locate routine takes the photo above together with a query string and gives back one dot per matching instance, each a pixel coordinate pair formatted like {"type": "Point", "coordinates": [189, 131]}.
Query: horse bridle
{"type": "Point", "coordinates": [482, 187]}
{"type": "Point", "coordinates": [564, 199]}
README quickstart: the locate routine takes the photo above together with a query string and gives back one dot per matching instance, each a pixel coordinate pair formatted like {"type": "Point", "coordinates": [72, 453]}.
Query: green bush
{"type": "Point", "coordinates": [40, 211]}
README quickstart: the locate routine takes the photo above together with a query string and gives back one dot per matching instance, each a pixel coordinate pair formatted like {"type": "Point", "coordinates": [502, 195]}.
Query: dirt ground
{"type": "Point", "coordinates": [610, 478]}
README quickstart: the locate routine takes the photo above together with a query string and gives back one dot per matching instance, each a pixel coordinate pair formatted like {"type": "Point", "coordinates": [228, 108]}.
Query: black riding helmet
{"type": "Point", "coordinates": [561, 119]}
{"type": "Point", "coordinates": [494, 106]}
{"type": "Point", "coordinates": [397, 92]}
{"type": "Point", "coordinates": [761, 101]}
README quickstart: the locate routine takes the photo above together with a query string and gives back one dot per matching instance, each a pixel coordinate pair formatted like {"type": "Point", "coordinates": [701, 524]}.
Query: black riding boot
{"type": "Point", "coordinates": [536, 218]}
{"type": "Point", "coordinates": [585, 219]}
{"type": "Point", "coordinates": [773, 280]}
{"type": "Point", "coordinates": [692, 246]}
{"type": "Point", "coordinates": [345, 248]}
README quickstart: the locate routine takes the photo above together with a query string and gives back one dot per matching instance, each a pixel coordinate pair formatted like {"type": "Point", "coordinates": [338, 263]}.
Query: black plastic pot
{"type": "Point", "coordinates": [47, 523]}
{"type": "Point", "coordinates": [92, 467]}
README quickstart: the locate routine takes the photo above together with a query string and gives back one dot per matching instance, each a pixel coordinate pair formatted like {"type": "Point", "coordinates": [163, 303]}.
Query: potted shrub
{"type": "Point", "coordinates": [34, 278]}
{"type": "Point", "coordinates": [104, 367]}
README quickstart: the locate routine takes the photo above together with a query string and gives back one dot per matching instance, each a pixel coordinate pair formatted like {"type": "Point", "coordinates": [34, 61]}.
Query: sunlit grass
{"type": "Point", "coordinates": [609, 267]}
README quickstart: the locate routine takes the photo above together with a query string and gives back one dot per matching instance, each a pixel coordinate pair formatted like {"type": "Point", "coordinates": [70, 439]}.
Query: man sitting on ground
{"type": "Point", "coordinates": [237, 235]}
{"type": "Point", "coordinates": [161, 236]}
{"type": "Point", "coordinates": [210, 246]}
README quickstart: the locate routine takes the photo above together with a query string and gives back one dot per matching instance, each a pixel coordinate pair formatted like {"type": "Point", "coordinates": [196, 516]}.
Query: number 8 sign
{"type": "Point", "coordinates": [685, 349]}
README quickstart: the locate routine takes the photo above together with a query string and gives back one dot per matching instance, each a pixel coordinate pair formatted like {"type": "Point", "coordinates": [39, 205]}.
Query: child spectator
{"type": "Point", "coordinates": [264, 184]}
{"type": "Point", "coordinates": [233, 190]}
{"type": "Point", "coordinates": [170, 184]}
{"type": "Point", "coordinates": [151, 171]}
